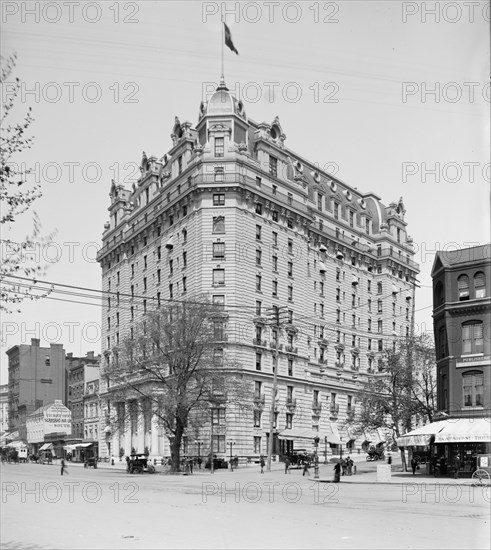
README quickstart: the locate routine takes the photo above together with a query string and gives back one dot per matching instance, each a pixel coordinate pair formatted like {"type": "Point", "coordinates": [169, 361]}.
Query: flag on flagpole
{"type": "Point", "coordinates": [228, 39]}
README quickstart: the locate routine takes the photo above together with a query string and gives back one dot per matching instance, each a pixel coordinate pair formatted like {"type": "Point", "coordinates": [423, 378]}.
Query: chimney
{"type": "Point", "coordinates": [90, 355]}
{"type": "Point", "coordinates": [35, 342]}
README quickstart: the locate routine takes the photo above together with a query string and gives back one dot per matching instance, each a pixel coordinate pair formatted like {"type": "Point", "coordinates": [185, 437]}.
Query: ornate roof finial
{"type": "Point", "coordinates": [222, 85]}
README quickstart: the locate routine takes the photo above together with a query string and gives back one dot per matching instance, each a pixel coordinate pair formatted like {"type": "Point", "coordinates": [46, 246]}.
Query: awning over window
{"type": "Point", "coordinates": [46, 447]}
{"type": "Point", "coordinates": [373, 437]}
{"type": "Point", "coordinates": [463, 430]}
{"type": "Point", "coordinates": [306, 433]}
{"type": "Point", "coordinates": [395, 290]}
{"type": "Point", "coordinates": [451, 430]}
{"type": "Point", "coordinates": [170, 243]}
{"type": "Point", "coordinates": [354, 280]}
{"type": "Point", "coordinates": [322, 267]}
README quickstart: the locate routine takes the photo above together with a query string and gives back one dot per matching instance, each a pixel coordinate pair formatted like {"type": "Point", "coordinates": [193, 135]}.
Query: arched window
{"type": "Point", "coordinates": [472, 337]}
{"type": "Point", "coordinates": [479, 285]}
{"type": "Point", "coordinates": [463, 285]}
{"type": "Point", "coordinates": [472, 387]}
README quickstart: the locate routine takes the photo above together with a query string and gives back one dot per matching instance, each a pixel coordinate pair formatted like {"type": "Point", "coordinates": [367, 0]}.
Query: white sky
{"type": "Point", "coordinates": [375, 138]}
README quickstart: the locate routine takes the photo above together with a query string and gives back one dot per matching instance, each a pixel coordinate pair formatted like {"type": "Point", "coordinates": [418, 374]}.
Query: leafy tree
{"type": "Point", "coordinates": [168, 367]}
{"type": "Point", "coordinates": [403, 388]}
{"type": "Point", "coordinates": [16, 198]}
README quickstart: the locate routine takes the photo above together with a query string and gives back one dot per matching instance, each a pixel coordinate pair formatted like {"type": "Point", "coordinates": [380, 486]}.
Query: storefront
{"type": "Point", "coordinates": [450, 443]}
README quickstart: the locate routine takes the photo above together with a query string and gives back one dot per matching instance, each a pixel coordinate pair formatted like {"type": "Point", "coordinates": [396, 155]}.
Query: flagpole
{"type": "Point", "coordinates": [223, 39]}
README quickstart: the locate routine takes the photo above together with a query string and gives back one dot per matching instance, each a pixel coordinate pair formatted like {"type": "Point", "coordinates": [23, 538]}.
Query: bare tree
{"type": "Point", "coordinates": [424, 382]}
{"type": "Point", "coordinates": [172, 363]}
{"type": "Point", "coordinates": [16, 198]}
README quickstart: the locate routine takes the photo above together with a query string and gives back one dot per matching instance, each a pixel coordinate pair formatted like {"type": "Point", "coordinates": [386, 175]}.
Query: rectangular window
{"type": "Point", "coordinates": [290, 293]}
{"type": "Point", "coordinates": [380, 326]}
{"type": "Point", "coordinates": [258, 181]}
{"type": "Point", "coordinates": [258, 307]}
{"type": "Point", "coordinates": [219, 199]}
{"type": "Point", "coordinates": [473, 387]}
{"type": "Point", "coordinates": [275, 189]}
{"type": "Point", "coordinates": [351, 219]}
{"type": "Point", "coordinates": [219, 173]}
{"type": "Point", "coordinates": [258, 283]}
{"type": "Point", "coordinates": [275, 238]}
{"type": "Point", "coordinates": [218, 301]}
{"type": "Point", "coordinates": [275, 215]}
{"type": "Point", "coordinates": [219, 330]}
{"type": "Point", "coordinates": [184, 284]}
{"type": "Point", "coordinates": [257, 418]}
{"type": "Point", "coordinates": [290, 246]}
{"type": "Point", "coordinates": [179, 165]}
{"type": "Point", "coordinates": [218, 250]}
{"type": "Point", "coordinates": [336, 211]}
{"type": "Point", "coordinates": [275, 263]}
{"type": "Point", "coordinates": [320, 200]}
{"type": "Point", "coordinates": [290, 367]}
{"type": "Point", "coordinates": [258, 232]}
{"type": "Point", "coordinates": [171, 267]}
{"type": "Point", "coordinates": [380, 345]}
{"type": "Point", "coordinates": [367, 226]}
{"type": "Point", "coordinates": [259, 208]}
{"type": "Point", "coordinates": [258, 361]}
{"type": "Point", "coordinates": [289, 420]}
{"type": "Point", "coordinates": [290, 269]}
{"type": "Point", "coordinates": [184, 260]}
{"type": "Point", "coordinates": [273, 166]}
{"type": "Point", "coordinates": [218, 417]}
{"type": "Point", "coordinates": [257, 444]}
{"type": "Point", "coordinates": [472, 338]}
{"type": "Point", "coordinates": [275, 288]}
{"type": "Point", "coordinates": [219, 224]}
{"type": "Point", "coordinates": [219, 146]}
{"type": "Point", "coordinates": [218, 443]}
{"type": "Point", "coordinates": [258, 257]}
{"type": "Point", "coordinates": [218, 277]}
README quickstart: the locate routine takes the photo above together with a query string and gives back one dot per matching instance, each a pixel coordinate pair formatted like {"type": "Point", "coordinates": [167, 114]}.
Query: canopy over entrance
{"type": "Point", "coordinates": [452, 430]}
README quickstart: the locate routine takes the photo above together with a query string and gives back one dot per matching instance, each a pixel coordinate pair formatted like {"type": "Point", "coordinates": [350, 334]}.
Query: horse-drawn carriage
{"type": "Point", "coordinates": [375, 453]}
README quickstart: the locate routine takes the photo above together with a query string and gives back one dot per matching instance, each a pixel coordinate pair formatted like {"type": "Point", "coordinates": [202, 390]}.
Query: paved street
{"type": "Point", "coordinates": [107, 508]}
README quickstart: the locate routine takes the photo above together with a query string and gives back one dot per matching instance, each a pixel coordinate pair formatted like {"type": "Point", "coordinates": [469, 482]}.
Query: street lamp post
{"type": "Point", "coordinates": [325, 450]}
{"type": "Point", "coordinates": [231, 463]}
{"type": "Point", "coordinates": [199, 454]}
{"type": "Point", "coordinates": [341, 447]}
{"type": "Point", "coordinates": [316, 457]}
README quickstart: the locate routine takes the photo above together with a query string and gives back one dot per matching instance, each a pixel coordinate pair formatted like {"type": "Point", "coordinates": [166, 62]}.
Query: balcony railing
{"type": "Point", "coordinates": [291, 349]}
{"type": "Point", "coordinates": [334, 409]}
{"type": "Point", "coordinates": [323, 342]}
{"type": "Point", "coordinates": [316, 408]}
{"type": "Point", "coordinates": [259, 398]}
{"type": "Point", "coordinates": [291, 403]}
{"type": "Point", "coordinates": [322, 361]}
{"type": "Point", "coordinates": [259, 342]}
{"type": "Point", "coordinates": [272, 345]}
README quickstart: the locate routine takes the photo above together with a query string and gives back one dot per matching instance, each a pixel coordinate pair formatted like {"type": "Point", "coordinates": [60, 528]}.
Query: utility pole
{"type": "Point", "coordinates": [275, 322]}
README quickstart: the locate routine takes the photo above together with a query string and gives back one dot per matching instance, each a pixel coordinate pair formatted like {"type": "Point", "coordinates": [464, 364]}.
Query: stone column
{"type": "Point", "coordinates": [154, 446]}
{"type": "Point", "coordinates": [140, 439]}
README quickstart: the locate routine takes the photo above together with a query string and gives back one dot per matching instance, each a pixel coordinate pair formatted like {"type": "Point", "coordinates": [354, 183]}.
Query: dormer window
{"type": "Point", "coordinates": [273, 166]}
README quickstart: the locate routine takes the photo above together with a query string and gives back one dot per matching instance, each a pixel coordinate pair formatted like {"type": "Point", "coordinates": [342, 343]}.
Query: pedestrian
{"type": "Point", "coordinates": [191, 465]}
{"type": "Point", "coordinates": [344, 466]}
{"type": "Point", "coordinates": [414, 465]}
{"type": "Point", "coordinates": [128, 464]}
{"type": "Point", "coordinates": [63, 466]}
{"type": "Point", "coordinates": [456, 467]}
{"type": "Point", "coordinates": [306, 466]}
{"type": "Point", "coordinates": [200, 461]}
{"type": "Point", "coordinates": [262, 463]}
{"type": "Point", "coordinates": [337, 472]}
{"type": "Point", "coordinates": [349, 464]}
{"type": "Point", "coordinates": [287, 465]}
{"type": "Point", "coordinates": [389, 459]}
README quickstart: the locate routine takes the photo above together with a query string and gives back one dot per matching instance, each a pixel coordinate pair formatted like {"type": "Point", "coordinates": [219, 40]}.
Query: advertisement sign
{"type": "Point", "coordinates": [57, 418]}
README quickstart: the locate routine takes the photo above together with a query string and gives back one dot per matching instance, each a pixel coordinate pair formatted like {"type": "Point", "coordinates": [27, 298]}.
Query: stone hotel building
{"type": "Point", "coordinates": [230, 212]}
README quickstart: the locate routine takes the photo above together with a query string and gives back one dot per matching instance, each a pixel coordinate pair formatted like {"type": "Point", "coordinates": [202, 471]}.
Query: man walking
{"type": "Point", "coordinates": [287, 465]}
{"type": "Point", "coordinates": [456, 467]}
{"type": "Point", "coordinates": [63, 466]}
{"type": "Point", "coordinates": [262, 463]}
